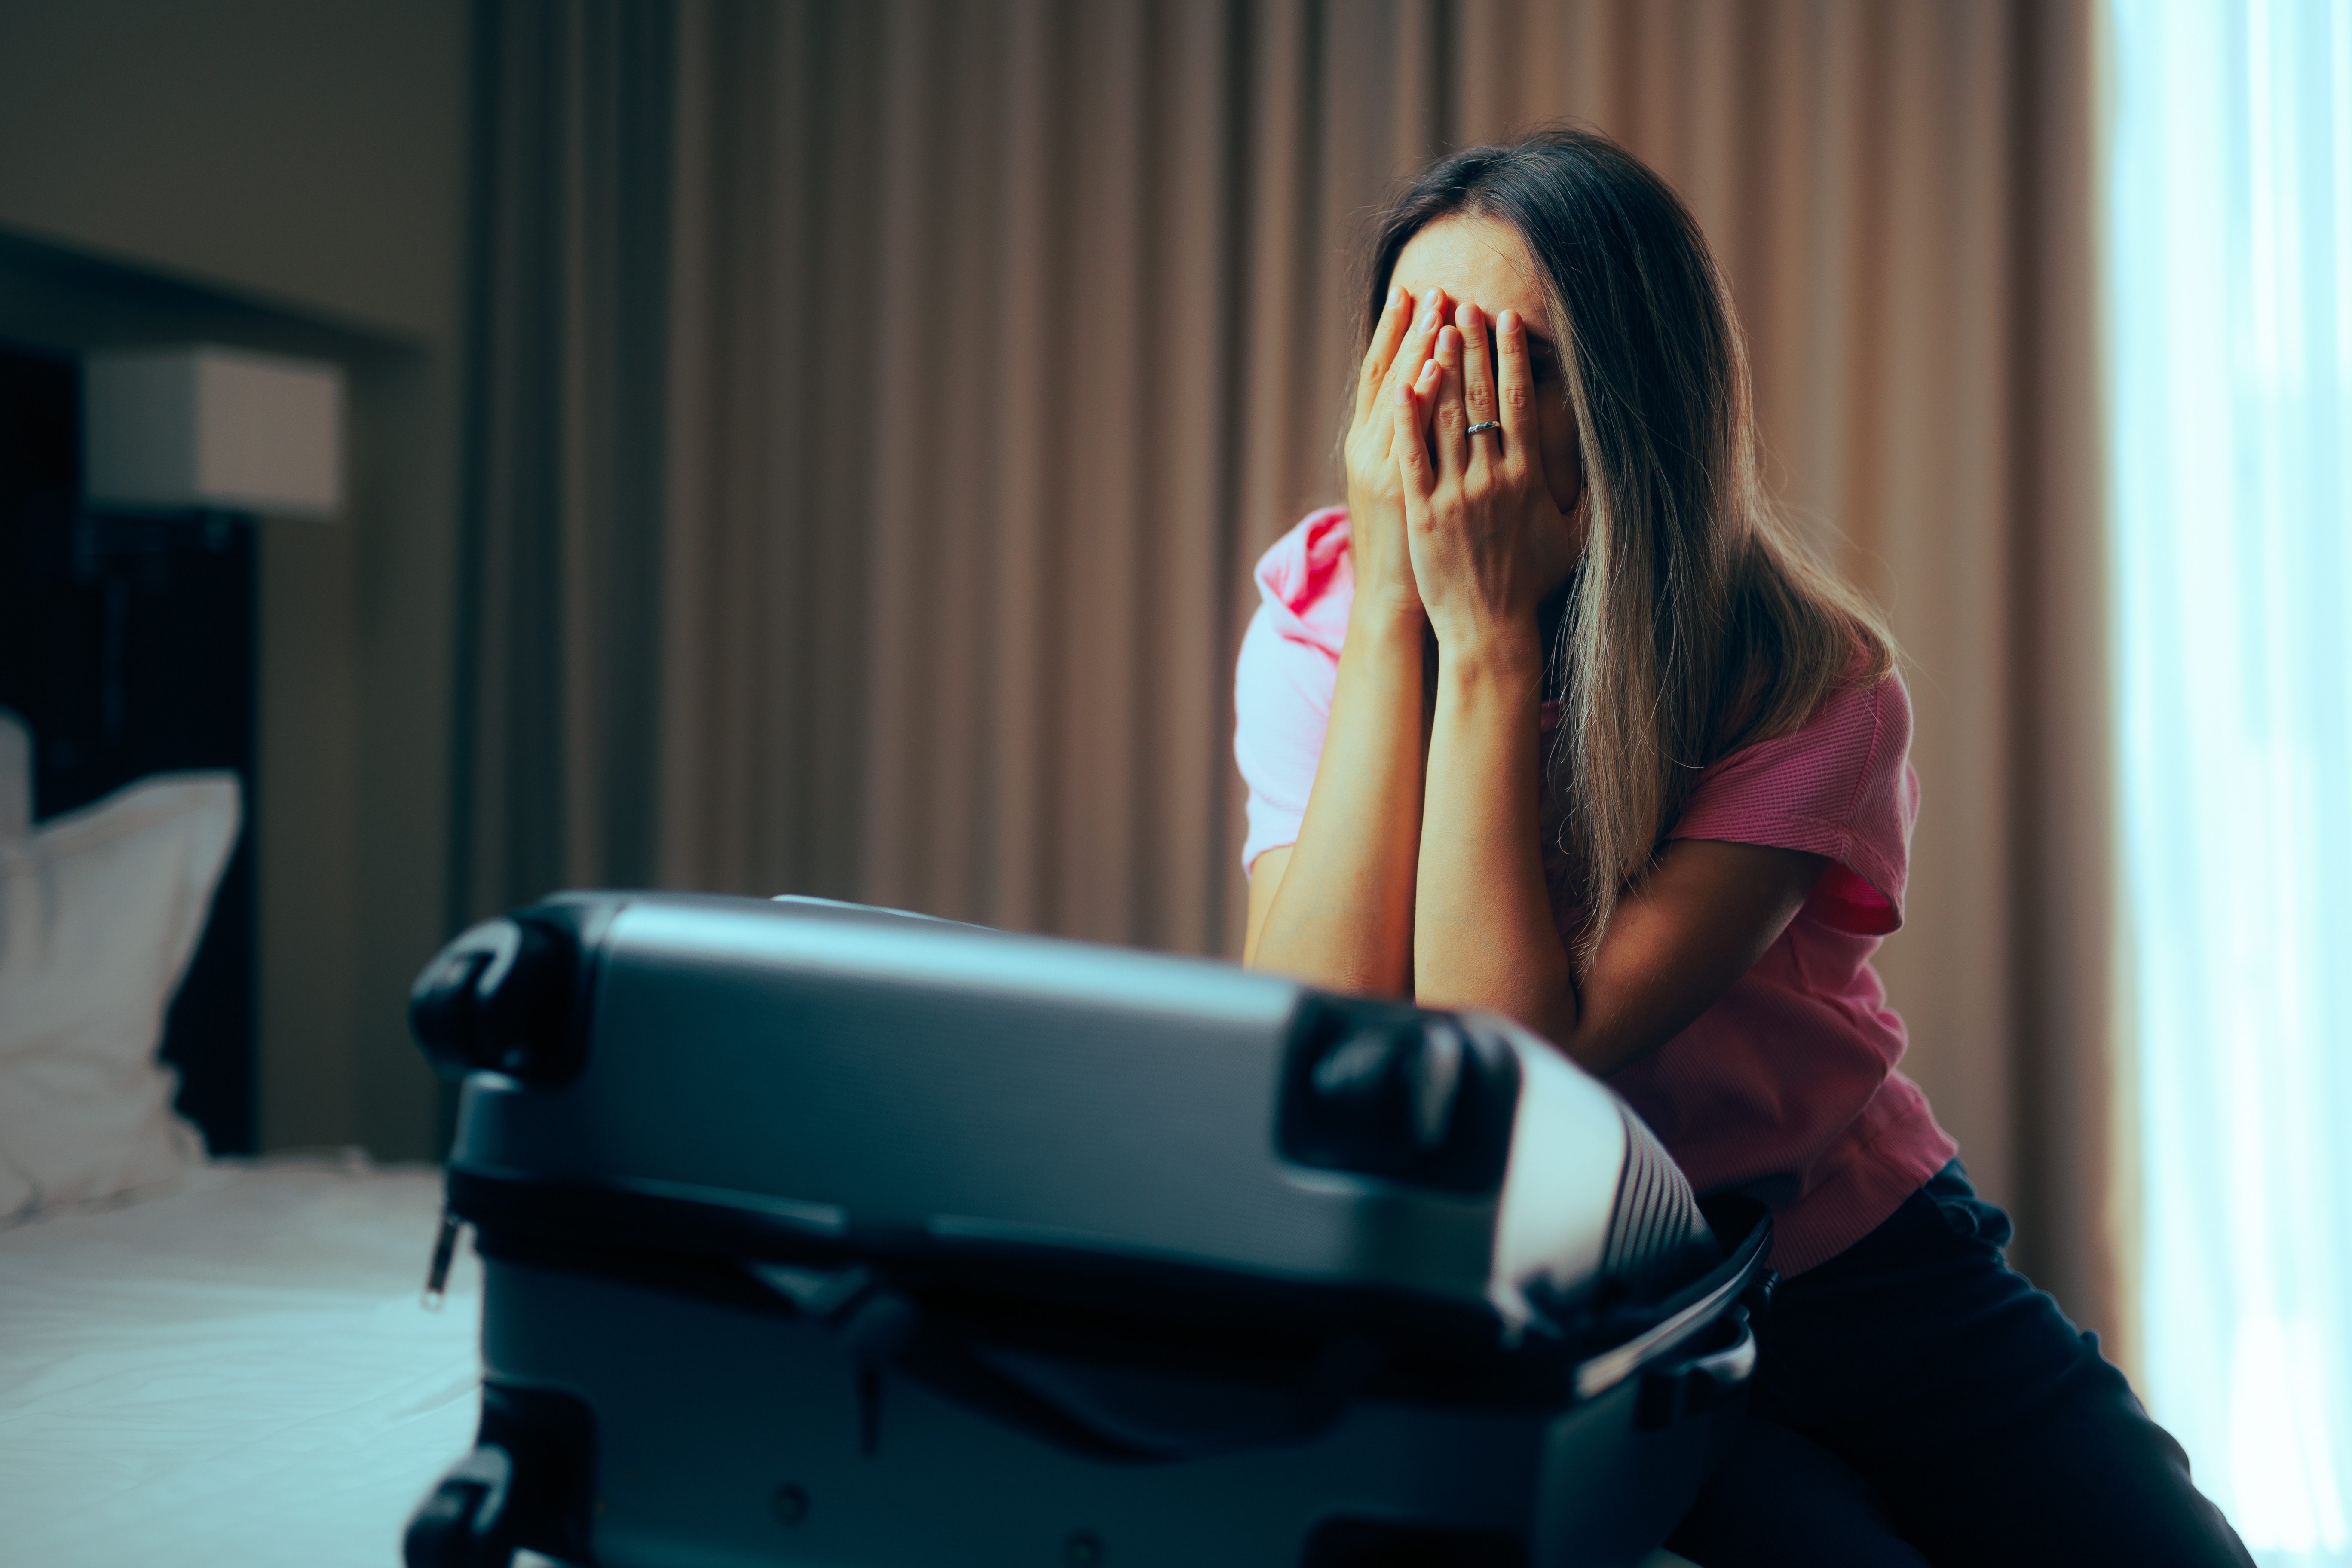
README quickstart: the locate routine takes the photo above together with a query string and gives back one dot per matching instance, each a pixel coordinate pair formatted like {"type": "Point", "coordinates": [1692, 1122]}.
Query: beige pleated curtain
{"type": "Point", "coordinates": [996, 340]}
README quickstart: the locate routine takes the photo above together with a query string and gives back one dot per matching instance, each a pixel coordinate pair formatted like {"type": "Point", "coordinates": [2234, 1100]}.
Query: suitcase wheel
{"type": "Point", "coordinates": [462, 1522]}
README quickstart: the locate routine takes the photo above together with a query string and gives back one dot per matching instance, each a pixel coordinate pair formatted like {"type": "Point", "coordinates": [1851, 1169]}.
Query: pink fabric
{"type": "Point", "coordinates": [1289, 664]}
{"type": "Point", "coordinates": [1786, 1088]}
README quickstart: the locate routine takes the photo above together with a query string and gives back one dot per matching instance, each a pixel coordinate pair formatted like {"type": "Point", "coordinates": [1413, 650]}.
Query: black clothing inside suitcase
{"type": "Point", "coordinates": [681, 1373]}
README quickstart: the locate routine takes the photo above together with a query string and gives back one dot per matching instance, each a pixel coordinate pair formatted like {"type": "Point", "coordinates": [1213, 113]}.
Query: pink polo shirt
{"type": "Point", "coordinates": [1786, 1088]}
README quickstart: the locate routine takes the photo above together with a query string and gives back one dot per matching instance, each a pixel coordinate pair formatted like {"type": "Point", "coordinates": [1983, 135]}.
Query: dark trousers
{"type": "Point", "coordinates": [1916, 1402]}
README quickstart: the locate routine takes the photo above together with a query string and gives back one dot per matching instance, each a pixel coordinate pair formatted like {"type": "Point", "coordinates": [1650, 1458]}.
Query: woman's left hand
{"type": "Point", "coordinates": [1486, 539]}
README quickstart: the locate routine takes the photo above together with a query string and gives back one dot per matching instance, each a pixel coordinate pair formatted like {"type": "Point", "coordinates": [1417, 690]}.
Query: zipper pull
{"type": "Point", "coordinates": [444, 1251]}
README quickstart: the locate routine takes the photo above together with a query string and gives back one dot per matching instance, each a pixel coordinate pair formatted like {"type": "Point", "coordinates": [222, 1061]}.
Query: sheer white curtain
{"type": "Point", "coordinates": [2231, 289]}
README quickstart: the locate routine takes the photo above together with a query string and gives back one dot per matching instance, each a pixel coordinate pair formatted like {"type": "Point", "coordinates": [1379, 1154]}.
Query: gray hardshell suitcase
{"type": "Point", "coordinates": [815, 1234]}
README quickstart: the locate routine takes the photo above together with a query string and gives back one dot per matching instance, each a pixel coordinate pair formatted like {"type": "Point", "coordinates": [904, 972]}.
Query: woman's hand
{"type": "Point", "coordinates": [1488, 543]}
{"type": "Point", "coordinates": [1401, 347]}
{"type": "Point", "coordinates": [1336, 908]}
{"type": "Point", "coordinates": [1487, 540]}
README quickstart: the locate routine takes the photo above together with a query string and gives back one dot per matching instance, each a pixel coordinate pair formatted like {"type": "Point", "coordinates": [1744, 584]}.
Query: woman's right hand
{"type": "Point", "coordinates": [1402, 343]}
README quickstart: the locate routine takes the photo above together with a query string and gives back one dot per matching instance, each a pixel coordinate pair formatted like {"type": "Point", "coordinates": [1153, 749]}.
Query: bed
{"type": "Point", "coordinates": [201, 1360]}
{"type": "Point", "coordinates": [239, 1369]}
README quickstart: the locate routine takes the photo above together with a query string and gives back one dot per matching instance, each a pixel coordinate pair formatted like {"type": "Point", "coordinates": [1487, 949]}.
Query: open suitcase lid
{"type": "Point", "coordinates": [810, 1088]}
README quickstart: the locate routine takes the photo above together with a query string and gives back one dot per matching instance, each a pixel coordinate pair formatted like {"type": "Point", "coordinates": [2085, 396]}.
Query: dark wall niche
{"type": "Point", "coordinates": [128, 643]}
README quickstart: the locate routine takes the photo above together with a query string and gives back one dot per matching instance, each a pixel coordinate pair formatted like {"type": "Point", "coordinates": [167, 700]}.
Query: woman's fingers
{"type": "Point", "coordinates": [1388, 331]}
{"type": "Point", "coordinates": [1412, 355]}
{"type": "Point", "coordinates": [1447, 442]}
{"type": "Point", "coordinates": [1517, 382]}
{"type": "Point", "coordinates": [1515, 394]}
{"type": "Point", "coordinates": [1477, 386]}
{"type": "Point", "coordinates": [1409, 438]}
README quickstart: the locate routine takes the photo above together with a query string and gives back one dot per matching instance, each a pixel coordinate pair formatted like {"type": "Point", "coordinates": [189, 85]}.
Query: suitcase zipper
{"type": "Point", "coordinates": [444, 1252]}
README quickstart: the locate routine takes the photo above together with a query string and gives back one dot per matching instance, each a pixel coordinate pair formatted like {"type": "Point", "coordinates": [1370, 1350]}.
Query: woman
{"type": "Point", "coordinates": [1555, 719]}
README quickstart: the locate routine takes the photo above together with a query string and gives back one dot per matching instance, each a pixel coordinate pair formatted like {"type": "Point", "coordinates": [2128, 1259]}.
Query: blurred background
{"type": "Point", "coordinates": [822, 448]}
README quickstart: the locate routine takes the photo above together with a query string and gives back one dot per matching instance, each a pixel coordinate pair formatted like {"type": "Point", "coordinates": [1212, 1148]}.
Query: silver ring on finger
{"type": "Point", "coordinates": [1483, 426]}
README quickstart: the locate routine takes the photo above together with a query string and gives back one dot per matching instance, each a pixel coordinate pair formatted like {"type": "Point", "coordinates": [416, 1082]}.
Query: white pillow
{"type": "Point", "coordinates": [100, 914]}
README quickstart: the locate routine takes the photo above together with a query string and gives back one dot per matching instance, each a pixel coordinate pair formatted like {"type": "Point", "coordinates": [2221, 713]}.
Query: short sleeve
{"type": "Point", "coordinates": [1289, 667]}
{"type": "Point", "coordinates": [1841, 786]}
{"type": "Point", "coordinates": [1282, 706]}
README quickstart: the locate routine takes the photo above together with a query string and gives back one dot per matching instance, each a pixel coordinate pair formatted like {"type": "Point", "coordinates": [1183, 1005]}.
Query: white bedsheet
{"type": "Point", "coordinates": [237, 1372]}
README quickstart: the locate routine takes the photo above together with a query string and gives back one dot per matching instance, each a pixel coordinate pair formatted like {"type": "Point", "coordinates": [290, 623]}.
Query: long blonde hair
{"type": "Point", "coordinates": [1696, 622]}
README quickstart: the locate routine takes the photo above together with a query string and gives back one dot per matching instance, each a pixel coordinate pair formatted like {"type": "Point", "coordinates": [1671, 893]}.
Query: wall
{"type": "Point", "coordinates": [289, 175]}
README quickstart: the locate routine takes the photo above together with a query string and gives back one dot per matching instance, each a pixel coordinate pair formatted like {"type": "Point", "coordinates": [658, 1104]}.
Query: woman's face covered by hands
{"type": "Point", "coordinates": [1482, 262]}
{"type": "Point", "coordinates": [1484, 442]}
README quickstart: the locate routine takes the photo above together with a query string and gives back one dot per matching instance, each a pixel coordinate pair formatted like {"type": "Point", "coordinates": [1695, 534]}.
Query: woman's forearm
{"type": "Point", "coordinates": [1342, 915]}
{"type": "Point", "coordinates": [1483, 929]}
